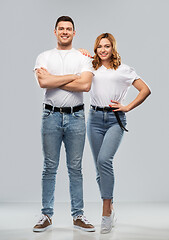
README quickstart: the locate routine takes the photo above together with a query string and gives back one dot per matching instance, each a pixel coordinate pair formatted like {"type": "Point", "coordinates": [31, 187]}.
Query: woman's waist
{"type": "Point", "coordinates": [105, 109]}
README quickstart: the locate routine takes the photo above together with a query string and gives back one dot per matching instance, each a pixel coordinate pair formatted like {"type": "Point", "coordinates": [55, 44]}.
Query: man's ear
{"type": "Point", "coordinates": [55, 33]}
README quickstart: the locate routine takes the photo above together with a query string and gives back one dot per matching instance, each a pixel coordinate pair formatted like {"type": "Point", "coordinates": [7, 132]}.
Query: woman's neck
{"type": "Point", "coordinates": [106, 64]}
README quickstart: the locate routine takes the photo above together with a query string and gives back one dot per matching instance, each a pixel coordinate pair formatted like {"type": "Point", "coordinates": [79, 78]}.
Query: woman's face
{"type": "Point", "coordinates": [104, 49]}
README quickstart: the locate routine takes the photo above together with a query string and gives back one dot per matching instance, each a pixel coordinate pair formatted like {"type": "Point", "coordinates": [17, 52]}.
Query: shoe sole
{"type": "Point", "coordinates": [85, 229]}
{"type": "Point", "coordinates": [41, 229]}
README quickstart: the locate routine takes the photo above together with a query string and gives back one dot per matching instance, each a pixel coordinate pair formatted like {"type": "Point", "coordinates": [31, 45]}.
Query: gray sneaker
{"type": "Point", "coordinates": [107, 223]}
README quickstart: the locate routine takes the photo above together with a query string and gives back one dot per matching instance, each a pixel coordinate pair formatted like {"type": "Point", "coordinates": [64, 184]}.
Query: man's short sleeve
{"type": "Point", "coordinates": [41, 61]}
{"type": "Point", "coordinates": [86, 64]}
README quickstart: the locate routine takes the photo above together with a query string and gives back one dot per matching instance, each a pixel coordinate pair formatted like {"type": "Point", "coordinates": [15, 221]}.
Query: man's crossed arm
{"type": "Point", "coordinates": [71, 82]}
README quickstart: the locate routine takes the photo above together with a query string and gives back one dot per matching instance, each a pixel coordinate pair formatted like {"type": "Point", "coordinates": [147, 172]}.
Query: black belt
{"type": "Point", "coordinates": [110, 109]}
{"type": "Point", "coordinates": [64, 109]}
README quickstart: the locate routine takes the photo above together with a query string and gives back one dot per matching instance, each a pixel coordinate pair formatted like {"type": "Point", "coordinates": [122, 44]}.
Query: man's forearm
{"type": "Point", "coordinates": [54, 81]}
{"type": "Point", "coordinates": [76, 86]}
{"type": "Point", "coordinates": [83, 84]}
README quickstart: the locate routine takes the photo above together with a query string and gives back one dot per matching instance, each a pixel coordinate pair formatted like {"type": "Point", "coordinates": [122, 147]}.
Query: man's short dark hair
{"type": "Point", "coordinates": [64, 19]}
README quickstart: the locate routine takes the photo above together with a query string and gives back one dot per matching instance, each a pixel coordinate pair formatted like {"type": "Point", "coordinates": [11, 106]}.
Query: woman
{"type": "Point", "coordinates": [107, 120]}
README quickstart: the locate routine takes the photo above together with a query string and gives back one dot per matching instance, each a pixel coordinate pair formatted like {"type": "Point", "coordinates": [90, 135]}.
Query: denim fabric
{"type": "Point", "coordinates": [69, 128]}
{"type": "Point", "coordinates": [105, 135]}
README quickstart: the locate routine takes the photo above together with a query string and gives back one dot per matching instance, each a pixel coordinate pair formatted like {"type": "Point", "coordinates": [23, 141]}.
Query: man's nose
{"type": "Point", "coordinates": [65, 31]}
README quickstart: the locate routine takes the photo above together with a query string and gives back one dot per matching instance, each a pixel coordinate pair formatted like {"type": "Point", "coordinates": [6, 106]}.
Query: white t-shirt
{"type": "Point", "coordinates": [63, 62]}
{"type": "Point", "coordinates": [110, 84]}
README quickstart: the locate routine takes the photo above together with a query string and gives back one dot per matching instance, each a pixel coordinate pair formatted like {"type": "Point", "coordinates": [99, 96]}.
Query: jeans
{"type": "Point", "coordinates": [69, 128]}
{"type": "Point", "coordinates": [105, 135]}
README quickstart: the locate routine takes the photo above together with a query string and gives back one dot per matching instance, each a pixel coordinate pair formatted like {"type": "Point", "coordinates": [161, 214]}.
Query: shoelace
{"type": "Point", "coordinates": [43, 219]}
{"type": "Point", "coordinates": [104, 220]}
{"type": "Point", "coordinates": [83, 219]}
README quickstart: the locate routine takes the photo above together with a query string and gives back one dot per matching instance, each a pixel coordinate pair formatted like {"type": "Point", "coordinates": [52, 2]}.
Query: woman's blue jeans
{"type": "Point", "coordinates": [105, 135]}
{"type": "Point", "coordinates": [69, 128]}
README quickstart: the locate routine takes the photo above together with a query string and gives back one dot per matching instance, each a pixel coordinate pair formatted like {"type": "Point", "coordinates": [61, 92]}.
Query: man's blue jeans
{"type": "Point", "coordinates": [105, 135]}
{"type": "Point", "coordinates": [69, 128]}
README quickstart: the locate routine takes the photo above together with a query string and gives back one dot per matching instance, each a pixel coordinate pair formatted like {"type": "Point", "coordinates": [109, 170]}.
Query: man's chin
{"type": "Point", "coordinates": [65, 44]}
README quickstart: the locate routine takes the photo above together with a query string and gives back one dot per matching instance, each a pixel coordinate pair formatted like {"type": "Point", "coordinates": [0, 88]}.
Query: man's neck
{"type": "Point", "coordinates": [61, 47]}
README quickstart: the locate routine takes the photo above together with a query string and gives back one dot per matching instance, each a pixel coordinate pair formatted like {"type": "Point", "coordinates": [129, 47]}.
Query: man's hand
{"type": "Point", "coordinates": [42, 73]}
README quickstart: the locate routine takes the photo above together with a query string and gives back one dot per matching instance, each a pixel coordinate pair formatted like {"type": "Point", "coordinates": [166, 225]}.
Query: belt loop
{"type": "Point", "coordinates": [43, 106]}
{"type": "Point", "coordinates": [52, 109]}
{"type": "Point", "coordinates": [94, 107]}
{"type": "Point", "coordinates": [61, 110]}
{"type": "Point", "coordinates": [71, 110]}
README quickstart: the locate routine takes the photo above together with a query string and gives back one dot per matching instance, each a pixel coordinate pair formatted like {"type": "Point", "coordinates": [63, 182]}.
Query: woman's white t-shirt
{"type": "Point", "coordinates": [110, 84]}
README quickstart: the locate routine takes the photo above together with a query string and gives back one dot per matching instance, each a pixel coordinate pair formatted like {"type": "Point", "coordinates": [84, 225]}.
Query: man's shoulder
{"type": "Point", "coordinates": [47, 52]}
{"type": "Point", "coordinates": [78, 53]}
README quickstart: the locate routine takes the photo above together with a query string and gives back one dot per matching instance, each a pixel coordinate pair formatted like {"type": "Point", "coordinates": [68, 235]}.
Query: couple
{"type": "Point", "coordinates": [66, 73]}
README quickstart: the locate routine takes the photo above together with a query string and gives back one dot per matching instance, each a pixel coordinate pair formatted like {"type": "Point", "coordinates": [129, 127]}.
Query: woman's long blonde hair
{"type": "Point", "coordinates": [115, 58]}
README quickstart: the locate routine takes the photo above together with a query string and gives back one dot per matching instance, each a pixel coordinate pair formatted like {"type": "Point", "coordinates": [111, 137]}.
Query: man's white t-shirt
{"type": "Point", "coordinates": [111, 84]}
{"type": "Point", "coordinates": [63, 62]}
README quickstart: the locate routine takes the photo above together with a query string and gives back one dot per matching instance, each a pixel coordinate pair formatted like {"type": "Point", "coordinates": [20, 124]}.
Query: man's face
{"type": "Point", "coordinates": [64, 33]}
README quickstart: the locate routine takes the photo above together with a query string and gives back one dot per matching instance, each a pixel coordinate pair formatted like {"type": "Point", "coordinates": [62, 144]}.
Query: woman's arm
{"type": "Point", "coordinates": [144, 92]}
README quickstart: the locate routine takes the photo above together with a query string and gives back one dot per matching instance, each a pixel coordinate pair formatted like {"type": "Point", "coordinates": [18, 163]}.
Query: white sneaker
{"type": "Point", "coordinates": [107, 223]}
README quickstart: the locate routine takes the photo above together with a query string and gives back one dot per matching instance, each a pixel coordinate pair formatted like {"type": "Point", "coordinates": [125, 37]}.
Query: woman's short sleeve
{"type": "Point", "coordinates": [130, 74]}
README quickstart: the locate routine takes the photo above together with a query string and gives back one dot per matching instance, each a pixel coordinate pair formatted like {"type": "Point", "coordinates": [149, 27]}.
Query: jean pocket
{"type": "Point", "coordinates": [46, 113]}
{"type": "Point", "coordinates": [79, 114]}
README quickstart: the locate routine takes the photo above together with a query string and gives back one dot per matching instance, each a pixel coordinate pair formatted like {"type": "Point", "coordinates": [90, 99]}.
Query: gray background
{"type": "Point", "coordinates": [140, 27]}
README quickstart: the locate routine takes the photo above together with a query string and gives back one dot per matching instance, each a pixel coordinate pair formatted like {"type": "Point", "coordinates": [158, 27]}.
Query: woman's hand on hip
{"type": "Point", "coordinates": [118, 106]}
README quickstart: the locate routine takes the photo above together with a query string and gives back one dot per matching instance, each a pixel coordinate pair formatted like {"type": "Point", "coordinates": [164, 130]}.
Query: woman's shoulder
{"type": "Point", "coordinates": [125, 68]}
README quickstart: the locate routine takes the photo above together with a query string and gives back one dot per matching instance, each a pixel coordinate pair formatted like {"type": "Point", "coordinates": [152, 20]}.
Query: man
{"type": "Point", "coordinates": [65, 74]}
